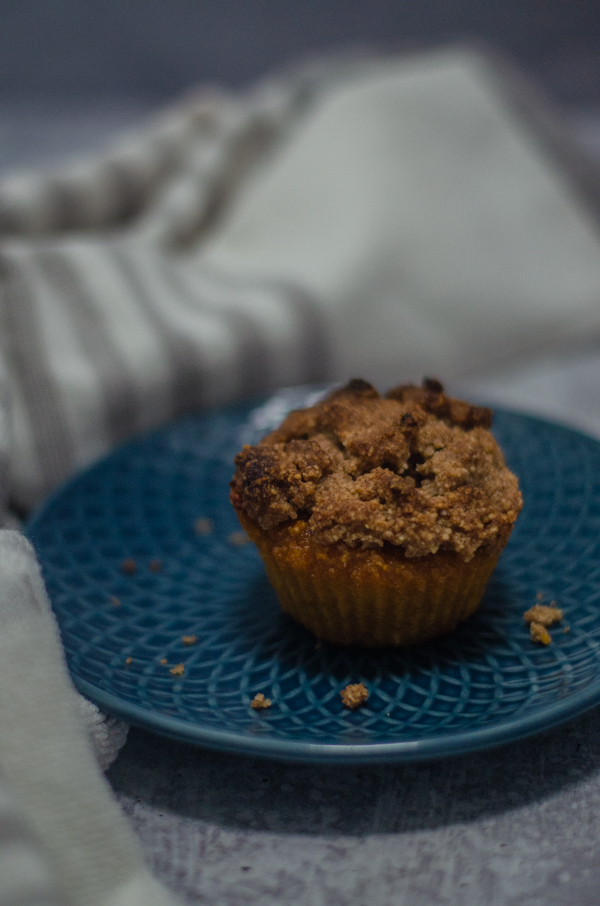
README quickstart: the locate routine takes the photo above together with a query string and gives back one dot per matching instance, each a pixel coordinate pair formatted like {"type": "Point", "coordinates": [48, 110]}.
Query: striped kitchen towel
{"type": "Point", "coordinates": [384, 217]}
{"type": "Point", "coordinates": [104, 333]}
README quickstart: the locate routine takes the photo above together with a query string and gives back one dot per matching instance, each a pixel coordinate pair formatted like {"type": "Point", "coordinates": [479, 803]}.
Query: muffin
{"type": "Point", "coordinates": [379, 519]}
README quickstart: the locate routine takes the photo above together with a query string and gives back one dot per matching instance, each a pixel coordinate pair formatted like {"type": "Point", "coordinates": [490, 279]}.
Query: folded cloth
{"type": "Point", "coordinates": [383, 218]}
{"type": "Point", "coordinates": [386, 217]}
{"type": "Point", "coordinates": [46, 757]}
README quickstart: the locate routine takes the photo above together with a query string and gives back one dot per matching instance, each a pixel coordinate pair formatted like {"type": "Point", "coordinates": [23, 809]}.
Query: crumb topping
{"type": "Point", "coordinates": [354, 695]}
{"type": "Point", "coordinates": [416, 469]}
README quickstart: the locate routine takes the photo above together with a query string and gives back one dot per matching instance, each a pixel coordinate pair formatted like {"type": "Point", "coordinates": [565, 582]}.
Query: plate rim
{"type": "Point", "coordinates": [428, 748]}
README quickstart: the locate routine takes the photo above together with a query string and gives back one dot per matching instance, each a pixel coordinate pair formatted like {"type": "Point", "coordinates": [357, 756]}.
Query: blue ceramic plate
{"type": "Point", "coordinates": [162, 502]}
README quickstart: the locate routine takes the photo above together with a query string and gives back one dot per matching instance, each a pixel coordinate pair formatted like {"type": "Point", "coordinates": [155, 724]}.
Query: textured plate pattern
{"type": "Point", "coordinates": [485, 684]}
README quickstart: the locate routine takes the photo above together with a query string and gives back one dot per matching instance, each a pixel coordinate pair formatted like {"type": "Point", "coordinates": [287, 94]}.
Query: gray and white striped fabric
{"type": "Point", "coordinates": [104, 333]}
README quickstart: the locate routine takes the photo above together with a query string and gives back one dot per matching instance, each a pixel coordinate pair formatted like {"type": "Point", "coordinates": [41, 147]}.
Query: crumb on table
{"type": "Point", "coordinates": [539, 633]}
{"type": "Point", "coordinates": [128, 566]}
{"type": "Point", "coordinates": [177, 670]}
{"type": "Point", "coordinates": [353, 695]}
{"type": "Point", "coordinates": [203, 526]}
{"type": "Point", "coordinates": [259, 702]}
{"type": "Point", "coordinates": [545, 615]}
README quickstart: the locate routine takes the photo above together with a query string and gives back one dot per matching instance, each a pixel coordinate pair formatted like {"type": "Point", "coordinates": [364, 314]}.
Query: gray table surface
{"type": "Point", "coordinates": [516, 825]}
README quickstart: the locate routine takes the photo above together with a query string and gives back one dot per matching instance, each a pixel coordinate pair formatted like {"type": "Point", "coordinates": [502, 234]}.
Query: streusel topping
{"type": "Point", "coordinates": [416, 469]}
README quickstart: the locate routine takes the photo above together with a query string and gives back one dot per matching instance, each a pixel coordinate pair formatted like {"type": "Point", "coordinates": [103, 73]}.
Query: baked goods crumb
{"type": "Point", "coordinates": [238, 538]}
{"type": "Point", "coordinates": [203, 526]}
{"type": "Point", "coordinates": [128, 660]}
{"type": "Point", "coordinates": [259, 702]}
{"type": "Point", "coordinates": [545, 615]}
{"type": "Point", "coordinates": [155, 566]}
{"type": "Point", "coordinates": [566, 629]}
{"type": "Point", "coordinates": [128, 566]}
{"type": "Point", "coordinates": [115, 601]}
{"type": "Point", "coordinates": [189, 639]}
{"type": "Point", "coordinates": [539, 633]}
{"type": "Point", "coordinates": [539, 596]}
{"type": "Point", "coordinates": [354, 695]}
{"type": "Point", "coordinates": [163, 661]}
{"type": "Point", "coordinates": [177, 670]}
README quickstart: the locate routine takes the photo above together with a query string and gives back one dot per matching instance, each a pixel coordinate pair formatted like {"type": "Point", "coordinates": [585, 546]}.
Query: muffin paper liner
{"type": "Point", "coordinates": [369, 597]}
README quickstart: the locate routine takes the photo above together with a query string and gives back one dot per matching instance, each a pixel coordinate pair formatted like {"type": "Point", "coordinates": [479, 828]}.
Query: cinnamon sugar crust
{"type": "Point", "coordinates": [415, 469]}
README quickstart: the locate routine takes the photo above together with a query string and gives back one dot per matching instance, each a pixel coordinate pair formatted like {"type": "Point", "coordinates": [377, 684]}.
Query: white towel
{"type": "Point", "coordinates": [380, 218]}
{"type": "Point", "coordinates": [47, 758]}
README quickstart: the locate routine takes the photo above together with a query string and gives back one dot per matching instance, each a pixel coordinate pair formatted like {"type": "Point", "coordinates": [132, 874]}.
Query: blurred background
{"type": "Point", "coordinates": [74, 71]}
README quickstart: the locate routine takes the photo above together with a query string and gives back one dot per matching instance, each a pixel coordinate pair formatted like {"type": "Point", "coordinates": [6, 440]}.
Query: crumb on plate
{"type": "Point", "coordinates": [545, 615]}
{"type": "Point", "coordinates": [128, 566]}
{"type": "Point", "coordinates": [177, 670]}
{"type": "Point", "coordinates": [353, 695]}
{"type": "Point", "coordinates": [539, 633]}
{"type": "Point", "coordinates": [189, 639]}
{"type": "Point", "coordinates": [155, 566]}
{"type": "Point", "coordinates": [203, 526]}
{"type": "Point", "coordinates": [128, 660]}
{"type": "Point", "coordinates": [259, 702]}
{"type": "Point", "coordinates": [238, 538]}
{"type": "Point", "coordinates": [115, 601]}
{"type": "Point", "coordinates": [163, 661]}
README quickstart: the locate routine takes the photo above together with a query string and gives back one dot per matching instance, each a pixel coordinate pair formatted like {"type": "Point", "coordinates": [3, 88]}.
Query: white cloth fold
{"type": "Point", "coordinates": [435, 229]}
{"type": "Point", "coordinates": [380, 218]}
{"type": "Point", "coordinates": [46, 755]}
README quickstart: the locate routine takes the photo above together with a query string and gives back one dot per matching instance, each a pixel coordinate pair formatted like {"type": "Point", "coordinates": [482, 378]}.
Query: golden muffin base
{"type": "Point", "coordinates": [373, 597]}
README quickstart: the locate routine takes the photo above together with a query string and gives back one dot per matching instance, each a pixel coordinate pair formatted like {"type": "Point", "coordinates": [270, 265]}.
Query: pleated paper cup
{"type": "Point", "coordinates": [375, 597]}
